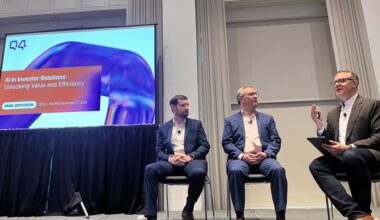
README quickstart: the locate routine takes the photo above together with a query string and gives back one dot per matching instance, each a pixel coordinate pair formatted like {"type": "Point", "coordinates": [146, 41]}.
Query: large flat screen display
{"type": "Point", "coordinates": [74, 78]}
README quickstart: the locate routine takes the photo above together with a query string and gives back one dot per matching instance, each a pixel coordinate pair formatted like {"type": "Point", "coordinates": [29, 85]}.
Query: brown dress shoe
{"type": "Point", "coordinates": [187, 215]}
{"type": "Point", "coordinates": [367, 217]}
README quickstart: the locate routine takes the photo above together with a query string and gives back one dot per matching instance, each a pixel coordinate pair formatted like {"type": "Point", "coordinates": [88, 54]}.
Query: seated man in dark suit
{"type": "Point", "coordinates": [353, 128]}
{"type": "Point", "coordinates": [251, 140]}
{"type": "Point", "coordinates": [181, 148]}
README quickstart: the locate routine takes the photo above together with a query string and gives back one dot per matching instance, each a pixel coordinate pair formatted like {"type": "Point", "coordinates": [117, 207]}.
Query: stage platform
{"type": "Point", "coordinates": [260, 214]}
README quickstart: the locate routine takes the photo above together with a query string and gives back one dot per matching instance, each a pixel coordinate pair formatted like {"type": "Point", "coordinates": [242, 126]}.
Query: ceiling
{"type": "Point", "coordinates": [231, 4]}
{"type": "Point", "coordinates": [74, 15]}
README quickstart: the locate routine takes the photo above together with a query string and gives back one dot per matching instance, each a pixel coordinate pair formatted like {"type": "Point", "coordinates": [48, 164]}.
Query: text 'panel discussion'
{"type": "Point", "coordinates": [190, 109]}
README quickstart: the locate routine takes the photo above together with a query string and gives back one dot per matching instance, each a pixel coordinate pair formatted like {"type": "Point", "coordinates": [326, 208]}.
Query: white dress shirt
{"type": "Point", "coordinates": [344, 115]}
{"type": "Point", "coordinates": [178, 137]}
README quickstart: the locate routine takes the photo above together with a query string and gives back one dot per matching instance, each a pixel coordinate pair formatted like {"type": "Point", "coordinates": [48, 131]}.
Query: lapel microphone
{"type": "Point", "coordinates": [250, 121]}
{"type": "Point", "coordinates": [344, 115]}
{"type": "Point", "coordinates": [179, 131]}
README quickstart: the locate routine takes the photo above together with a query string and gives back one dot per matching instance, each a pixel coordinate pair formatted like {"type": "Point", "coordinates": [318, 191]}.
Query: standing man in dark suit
{"type": "Point", "coordinates": [251, 140]}
{"type": "Point", "coordinates": [353, 128]}
{"type": "Point", "coordinates": [181, 148]}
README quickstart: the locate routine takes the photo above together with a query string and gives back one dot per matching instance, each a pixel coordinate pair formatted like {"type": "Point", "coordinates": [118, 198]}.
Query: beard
{"type": "Point", "coordinates": [183, 114]}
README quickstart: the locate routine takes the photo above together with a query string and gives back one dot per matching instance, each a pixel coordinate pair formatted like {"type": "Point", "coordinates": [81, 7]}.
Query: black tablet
{"type": "Point", "coordinates": [317, 143]}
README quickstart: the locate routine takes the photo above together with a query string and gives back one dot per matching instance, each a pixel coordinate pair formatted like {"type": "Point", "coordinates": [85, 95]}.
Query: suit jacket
{"type": "Point", "coordinates": [233, 140]}
{"type": "Point", "coordinates": [196, 143]}
{"type": "Point", "coordinates": [363, 127]}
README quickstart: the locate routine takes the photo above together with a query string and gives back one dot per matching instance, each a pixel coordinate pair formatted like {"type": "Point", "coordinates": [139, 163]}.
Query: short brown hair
{"type": "Point", "coordinates": [176, 98]}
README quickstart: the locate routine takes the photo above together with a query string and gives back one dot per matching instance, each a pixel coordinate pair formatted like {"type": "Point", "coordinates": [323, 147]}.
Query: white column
{"type": "Point", "coordinates": [372, 17]}
{"type": "Point", "coordinates": [180, 71]}
{"type": "Point", "coordinates": [180, 53]}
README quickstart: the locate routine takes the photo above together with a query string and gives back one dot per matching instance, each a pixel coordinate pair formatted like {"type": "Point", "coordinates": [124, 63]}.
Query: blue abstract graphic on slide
{"type": "Point", "coordinates": [127, 82]}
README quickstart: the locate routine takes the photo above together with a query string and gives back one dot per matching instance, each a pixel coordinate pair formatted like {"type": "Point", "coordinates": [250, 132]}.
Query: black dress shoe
{"type": "Point", "coordinates": [151, 217]}
{"type": "Point", "coordinates": [280, 215]}
{"type": "Point", "coordinates": [240, 217]}
{"type": "Point", "coordinates": [187, 215]}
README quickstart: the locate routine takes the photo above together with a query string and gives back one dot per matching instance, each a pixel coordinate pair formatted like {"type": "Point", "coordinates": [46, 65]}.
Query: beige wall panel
{"type": "Point", "coordinates": [117, 2]}
{"type": "Point", "coordinates": [92, 3]}
{"type": "Point", "coordinates": [67, 4]}
{"type": "Point", "coordinates": [282, 59]}
{"type": "Point", "coordinates": [39, 5]}
{"type": "Point", "coordinates": [13, 6]}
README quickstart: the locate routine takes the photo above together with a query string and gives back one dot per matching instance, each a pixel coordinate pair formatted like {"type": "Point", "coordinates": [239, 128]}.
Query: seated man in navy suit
{"type": "Point", "coordinates": [181, 148]}
{"type": "Point", "coordinates": [251, 140]}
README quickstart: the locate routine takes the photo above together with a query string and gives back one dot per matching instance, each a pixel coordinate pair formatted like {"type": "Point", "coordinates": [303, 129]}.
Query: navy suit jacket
{"type": "Point", "coordinates": [196, 143]}
{"type": "Point", "coordinates": [233, 140]}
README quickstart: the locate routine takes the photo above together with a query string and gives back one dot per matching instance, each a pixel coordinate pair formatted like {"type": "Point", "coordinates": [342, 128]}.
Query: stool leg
{"type": "Point", "coordinates": [167, 202]}
{"type": "Point", "coordinates": [332, 210]}
{"type": "Point", "coordinates": [228, 203]}
{"type": "Point", "coordinates": [327, 207]}
{"type": "Point", "coordinates": [212, 199]}
{"type": "Point", "coordinates": [205, 195]}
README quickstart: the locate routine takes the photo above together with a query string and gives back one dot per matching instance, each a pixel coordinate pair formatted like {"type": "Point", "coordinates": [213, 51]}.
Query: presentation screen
{"type": "Point", "coordinates": [76, 78]}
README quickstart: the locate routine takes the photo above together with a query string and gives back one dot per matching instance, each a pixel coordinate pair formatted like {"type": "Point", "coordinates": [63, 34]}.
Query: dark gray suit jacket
{"type": "Point", "coordinates": [363, 128]}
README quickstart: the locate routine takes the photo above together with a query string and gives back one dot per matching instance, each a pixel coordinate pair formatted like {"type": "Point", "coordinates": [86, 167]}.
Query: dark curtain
{"type": "Point", "coordinates": [101, 166]}
{"type": "Point", "coordinates": [24, 172]}
{"type": "Point", "coordinates": [126, 169]}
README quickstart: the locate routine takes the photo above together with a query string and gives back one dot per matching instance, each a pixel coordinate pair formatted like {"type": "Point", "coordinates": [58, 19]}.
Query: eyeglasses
{"type": "Point", "coordinates": [252, 94]}
{"type": "Point", "coordinates": [340, 81]}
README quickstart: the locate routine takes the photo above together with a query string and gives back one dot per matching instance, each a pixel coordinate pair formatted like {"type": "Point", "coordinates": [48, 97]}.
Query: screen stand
{"type": "Point", "coordinates": [84, 209]}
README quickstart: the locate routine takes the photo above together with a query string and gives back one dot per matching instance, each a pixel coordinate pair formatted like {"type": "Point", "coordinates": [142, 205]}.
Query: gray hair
{"type": "Point", "coordinates": [353, 74]}
{"type": "Point", "coordinates": [239, 93]}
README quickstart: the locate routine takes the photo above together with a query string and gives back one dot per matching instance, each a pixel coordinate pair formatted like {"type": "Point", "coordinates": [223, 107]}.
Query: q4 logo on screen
{"type": "Point", "coordinates": [14, 44]}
